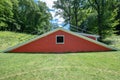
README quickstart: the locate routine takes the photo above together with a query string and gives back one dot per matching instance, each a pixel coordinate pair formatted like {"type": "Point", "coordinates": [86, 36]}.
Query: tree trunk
{"type": "Point", "coordinates": [76, 21]}
{"type": "Point", "coordinates": [75, 14]}
{"type": "Point", "coordinates": [100, 26]}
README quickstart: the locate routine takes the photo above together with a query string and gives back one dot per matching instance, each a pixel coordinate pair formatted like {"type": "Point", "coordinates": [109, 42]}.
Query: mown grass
{"type": "Point", "coordinates": [70, 66]}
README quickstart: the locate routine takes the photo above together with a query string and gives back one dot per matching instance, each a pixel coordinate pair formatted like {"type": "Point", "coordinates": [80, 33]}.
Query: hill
{"type": "Point", "coordinates": [68, 66]}
{"type": "Point", "coordinates": [8, 39]}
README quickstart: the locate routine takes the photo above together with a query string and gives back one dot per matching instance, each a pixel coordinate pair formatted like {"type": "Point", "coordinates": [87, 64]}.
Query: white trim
{"type": "Point", "coordinates": [48, 33]}
{"type": "Point", "coordinates": [88, 39]}
{"type": "Point", "coordinates": [89, 35]}
{"type": "Point", "coordinates": [63, 39]}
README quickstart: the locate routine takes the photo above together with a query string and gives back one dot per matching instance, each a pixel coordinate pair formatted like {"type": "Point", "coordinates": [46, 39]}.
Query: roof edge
{"type": "Point", "coordinates": [28, 41]}
{"type": "Point", "coordinates": [91, 40]}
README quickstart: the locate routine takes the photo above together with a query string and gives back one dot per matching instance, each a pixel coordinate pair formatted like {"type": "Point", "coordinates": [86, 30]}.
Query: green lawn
{"type": "Point", "coordinates": [70, 66]}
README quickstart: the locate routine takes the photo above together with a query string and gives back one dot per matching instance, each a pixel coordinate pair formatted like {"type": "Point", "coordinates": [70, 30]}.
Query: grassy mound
{"type": "Point", "coordinates": [8, 39]}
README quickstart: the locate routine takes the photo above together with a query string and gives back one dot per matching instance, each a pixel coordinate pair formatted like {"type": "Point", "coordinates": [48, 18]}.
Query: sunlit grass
{"type": "Point", "coordinates": [115, 41]}
{"type": "Point", "coordinates": [8, 39]}
{"type": "Point", "coordinates": [70, 66]}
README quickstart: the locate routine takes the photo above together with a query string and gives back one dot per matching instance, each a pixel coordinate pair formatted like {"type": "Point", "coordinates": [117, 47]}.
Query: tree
{"type": "Point", "coordinates": [6, 14]}
{"type": "Point", "coordinates": [33, 17]}
{"type": "Point", "coordinates": [44, 19]}
{"type": "Point", "coordinates": [105, 16]}
{"type": "Point", "coordinates": [13, 25]}
{"type": "Point", "coordinates": [89, 25]}
{"type": "Point", "coordinates": [118, 16]}
{"type": "Point", "coordinates": [24, 16]}
{"type": "Point", "coordinates": [73, 11]}
{"type": "Point", "coordinates": [64, 9]}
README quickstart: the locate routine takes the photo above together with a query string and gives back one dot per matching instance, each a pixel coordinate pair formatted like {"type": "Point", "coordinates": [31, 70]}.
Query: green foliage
{"type": "Point", "coordinates": [91, 16]}
{"type": "Point", "coordinates": [73, 11]}
{"type": "Point", "coordinates": [91, 23]}
{"type": "Point", "coordinates": [6, 13]}
{"type": "Point", "coordinates": [118, 16]}
{"type": "Point", "coordinates": [24, 16]}
{"type": "Point", "coordinates": [113, 41]}
{"type": "Point", "coordinates": [106, 16]}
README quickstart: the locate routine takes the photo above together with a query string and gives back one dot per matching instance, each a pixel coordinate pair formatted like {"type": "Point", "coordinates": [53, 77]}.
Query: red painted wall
{"type": "Point", "coordinates": [72, 44]}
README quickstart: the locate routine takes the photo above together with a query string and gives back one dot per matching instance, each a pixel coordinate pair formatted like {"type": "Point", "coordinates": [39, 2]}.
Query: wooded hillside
{"type": "Point", "coordinates": [100, 17]}
{"type": "Point", "coordinates": [24, 16]}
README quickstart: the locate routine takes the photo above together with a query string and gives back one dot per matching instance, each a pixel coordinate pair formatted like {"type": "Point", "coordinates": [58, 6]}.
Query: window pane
{"type": "Point", "coordinates": [60, 39]}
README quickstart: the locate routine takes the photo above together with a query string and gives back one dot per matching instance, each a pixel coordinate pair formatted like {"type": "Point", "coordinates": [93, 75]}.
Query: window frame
{"type": "Point", "coordinates": [60, 36]}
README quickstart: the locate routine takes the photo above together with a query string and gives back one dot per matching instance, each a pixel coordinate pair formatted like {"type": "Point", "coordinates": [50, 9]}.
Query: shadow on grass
{"type": "Point", "coordinates": [61, 52]}
{"type": "Point", "coordinates": [108, 42]}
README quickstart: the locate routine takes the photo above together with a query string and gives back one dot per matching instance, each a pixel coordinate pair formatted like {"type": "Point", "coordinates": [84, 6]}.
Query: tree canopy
{"type": "Point", "coordinates": [24, 16]}
{"type": "Point", "coordinates": [100, 17]}
{"type": "Point", "coordinates": [90, 16]}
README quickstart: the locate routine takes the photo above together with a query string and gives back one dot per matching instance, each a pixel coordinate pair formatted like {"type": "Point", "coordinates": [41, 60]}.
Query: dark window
{"type": "Point", "coordinates": [60, 39]}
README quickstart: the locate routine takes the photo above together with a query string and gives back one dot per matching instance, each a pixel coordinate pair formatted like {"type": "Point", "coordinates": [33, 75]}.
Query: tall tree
{"type": "Point", "coordinates": [118, 16]}
{"type": "Point", "coordinates": [33, 17]}
{"type": "Point", "coordinates": [24, 16]}
{"type": "Point", "coordinates": [105, 16]}
{"type": "Point", "coordinates": [44, 18]}
{"type": "Point", "coordinates": [13, 25]}
{"type": "Point", "coordinates": [72, 11]}
{"type": "Point", "coordinates": [6, 14]}
{"type": "Point", "coordinates": [64, 9]}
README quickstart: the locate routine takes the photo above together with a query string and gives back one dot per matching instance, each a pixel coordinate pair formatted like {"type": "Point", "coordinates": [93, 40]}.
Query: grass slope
{"type": "Point", "coordinates": [73, 66]}
{"type": "Point", "coordinates": [8, 39]}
